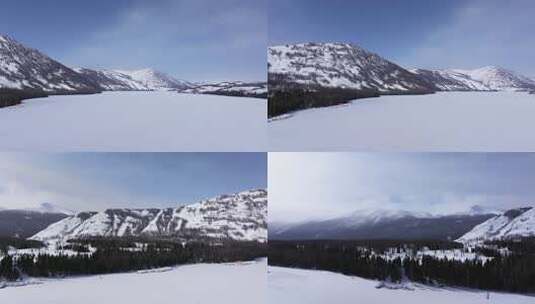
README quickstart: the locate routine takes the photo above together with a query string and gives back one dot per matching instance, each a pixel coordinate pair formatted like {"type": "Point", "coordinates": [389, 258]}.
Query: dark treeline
{"type": "Point", "coordinates": [114, 258]}
{"type": "Point", "coordinates": [286, 101]}
{"type": "Point", "coordinates": [11, 97]}
{"type": "Point", "coordinates": [18, 243]}
{"type": "Point", "coordinates": [514, 272]}
{"type": "Point", "coordinates": [379, 245]}
{"type": "Point", "coordinates": [521, 246]}
{"type": "Point", "coordinates": [288, 96]}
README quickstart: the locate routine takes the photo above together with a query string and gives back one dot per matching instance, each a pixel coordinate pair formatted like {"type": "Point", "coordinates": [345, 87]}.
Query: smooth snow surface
{"type": "Point", "coordinates": [295, 286]}
{"type": "Point", "coordinates": [239, 283]}
{"type": "Point", "coordinates": [446, 121]}
{"type": "Point", "coordinates": [135, 121]}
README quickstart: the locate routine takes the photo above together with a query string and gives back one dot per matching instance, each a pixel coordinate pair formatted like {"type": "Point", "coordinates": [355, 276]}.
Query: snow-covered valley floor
{"type": "Point", "coordinates": [237, 283]}
{"type": "Point", "coordinates": [135, 121]}
{"type": "Point", "coordinates": [448, 121]}
{"type": "Point", "coordinates": [296, 286]}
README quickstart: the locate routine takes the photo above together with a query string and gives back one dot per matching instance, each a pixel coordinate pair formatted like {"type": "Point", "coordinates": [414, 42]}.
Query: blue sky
{"type": "Point", "coordinates": [416, 33]}
{"type": "Point", "coordinates": [196, 40]}
{"type": "Point", "coordinates": [95, 181]}
{"type": "Point", "coordinates": [320, 185]}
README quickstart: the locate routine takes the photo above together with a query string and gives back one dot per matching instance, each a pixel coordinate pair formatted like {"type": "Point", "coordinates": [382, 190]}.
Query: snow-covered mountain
{"type": "Point", "coordinates": [25, 68]}
{"type": "Point", "coordinates": [498, 78]}
{"type": "Point", "coordinates": [231, 88]}
{"type": "Point", "coordinates": [381, 224]}
{"type": "Point", "coordinates": [240, 216]}
{"type": "Point", "coordinates": [155, 80]}
{"type": "Point", "coordinates": [110, 80]}
{"type": "Point", "coordinates": [451, 80]}
{"type": "Point", "coordinates": [339, 65]}
{"type": "Point", "coordinates": [511, 224]}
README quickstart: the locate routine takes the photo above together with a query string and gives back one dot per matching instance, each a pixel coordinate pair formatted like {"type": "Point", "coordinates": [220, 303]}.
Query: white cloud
{"type": "Point", "coordinates": [27, 180]}
{"type": "Point", "coordinates": [323, 185]}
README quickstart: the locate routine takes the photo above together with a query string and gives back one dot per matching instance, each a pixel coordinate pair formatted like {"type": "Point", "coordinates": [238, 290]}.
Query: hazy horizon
{"type": "Point", "coordinates": [98, 181]}
{"type": "Point", "coordinates": [308, 186]}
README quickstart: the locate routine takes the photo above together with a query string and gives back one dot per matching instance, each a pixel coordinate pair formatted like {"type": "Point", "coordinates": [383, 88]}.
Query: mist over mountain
{"type": "Point", "coordinates": [382, 224]}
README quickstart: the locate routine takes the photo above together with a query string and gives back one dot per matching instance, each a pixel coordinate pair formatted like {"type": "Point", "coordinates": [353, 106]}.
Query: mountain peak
{"type": "Point", "coordinates": [155, 79]}
{"type": "Point", "coordinates": [339, 65]}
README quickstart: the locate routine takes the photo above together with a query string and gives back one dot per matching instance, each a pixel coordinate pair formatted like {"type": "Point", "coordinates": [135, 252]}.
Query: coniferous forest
{"type": "Point", "coordinates": [514, 272]}
{"type": "Point", "coordinates": [115, 255]}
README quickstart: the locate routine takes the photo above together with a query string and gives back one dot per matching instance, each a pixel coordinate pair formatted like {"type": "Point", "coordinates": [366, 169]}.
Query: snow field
{"type": "Point", "coordinates": [135, 121]}
{"type": "Point", "coordinates": [446, 121]}
{"type": "Point", "coordinates": [236, 283]}
{"type": "Point", "coordinates": [295, 286]}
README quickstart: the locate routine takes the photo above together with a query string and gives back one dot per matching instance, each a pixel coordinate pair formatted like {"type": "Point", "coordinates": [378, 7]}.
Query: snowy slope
{"type": "Point", "coordinates": [296, 286]}
{"type": "Point", "coordinates": [110, 80]}
{"type": "Point", "coordinates": [511, 224]}
{"type": "Point", "coordinates": [451, 80]}
{"type": "Point", "coordinates": [498, 78]}
{"type": "Point", "coordinates": [339, 65]}
{"type": "Point", "coordinates": [233, 283]}
{"type": "Point", "coordinates": [240, 216]}
{"type": "Point", "coordinates": [25, 68]}
{"type": "Point", "coordinates": [155, 80]}
{"type": "Point", "coordinates": [238, 88]}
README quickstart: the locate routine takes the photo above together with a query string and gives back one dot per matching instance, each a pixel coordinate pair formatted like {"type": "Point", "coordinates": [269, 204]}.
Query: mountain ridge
{"type": "Point", "coordinates": [22, 67]}
{"type": "Point", "coordinates": [238, 216]}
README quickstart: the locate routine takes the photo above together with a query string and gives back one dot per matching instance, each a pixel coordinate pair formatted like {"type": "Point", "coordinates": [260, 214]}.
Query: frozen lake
{"type": "Point", "coordinates": [448, 121]}
{"type": "Point", "coordinates": [295, 286]}
{"type": "Point", "coordinates": [239, 283]}
{"type": "Point", "coordinates": [135, 121]}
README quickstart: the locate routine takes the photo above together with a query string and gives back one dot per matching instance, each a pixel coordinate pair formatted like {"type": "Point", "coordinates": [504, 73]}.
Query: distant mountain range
{"type": "Point", "coordinates": [322, 74]}
{"type": "Point", "coordinates": [229, 88]}
{"type": "Point", "coordinates": [138, 80]}
{"type": "Point", "coordinates": [488, 78]}
{"type": "Point", "coordinates": [384, 224]}
{"type": "Point", "coordinates": [27, 69]}
{"type": "Point", "coordinates": [241, 216]}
